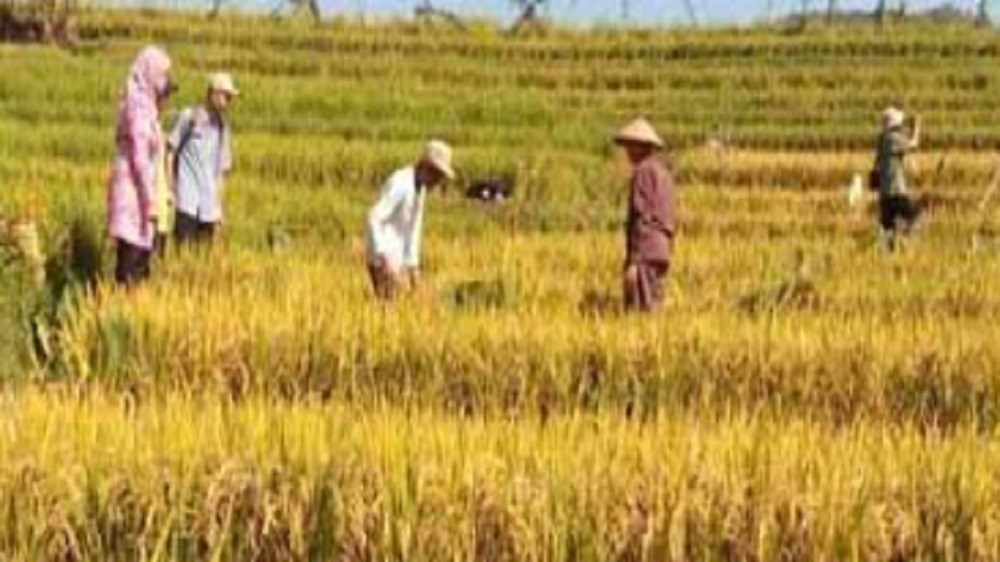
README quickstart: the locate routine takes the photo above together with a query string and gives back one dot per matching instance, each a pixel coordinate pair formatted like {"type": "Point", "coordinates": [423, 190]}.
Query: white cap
{"type": "Point", "coordinates": [223, 82]}
{"type": "Point", "coordinates": [438, 154]}
{"type": "Point", "coordinates": [893, 117]}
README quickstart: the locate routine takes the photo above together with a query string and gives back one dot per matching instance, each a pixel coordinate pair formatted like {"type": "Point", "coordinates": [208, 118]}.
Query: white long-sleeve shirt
{"type": "Point", "coordinates": [396, 221]}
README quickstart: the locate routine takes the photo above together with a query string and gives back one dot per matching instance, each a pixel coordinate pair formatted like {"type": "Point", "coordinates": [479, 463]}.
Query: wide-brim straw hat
{"type": "Point", "coordinates": [438, 154]}
{"type": "Point", "coordinates": [223, 82]}
{"type": "Point", "coordinates": [893, 117]}
{"type": "Point", "coordinates": [639, 131]}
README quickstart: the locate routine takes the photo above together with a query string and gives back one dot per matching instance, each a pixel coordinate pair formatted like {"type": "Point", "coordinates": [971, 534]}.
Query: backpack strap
{"type": "Point", "coordinates": [187, 115]}
{"type": "Point", "coordinates": [193, 116]}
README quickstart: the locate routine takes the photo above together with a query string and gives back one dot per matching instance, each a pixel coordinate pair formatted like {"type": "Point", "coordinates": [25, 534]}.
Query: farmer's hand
{"type": "Point", "coordinates": [631, 274]}
{"type": "Point", "coordinates": [147, 224]}
{"type": "Point", "coordinates": [917, 130]}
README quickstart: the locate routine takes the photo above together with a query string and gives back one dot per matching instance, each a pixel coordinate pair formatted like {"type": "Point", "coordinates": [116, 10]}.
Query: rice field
{"type": "Point", "coordinates": [189, 479]}
{"type": "Point", "coordinates": [806, 395]}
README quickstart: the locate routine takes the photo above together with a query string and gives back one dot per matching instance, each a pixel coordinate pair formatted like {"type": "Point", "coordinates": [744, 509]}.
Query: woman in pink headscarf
{"type": "Point", "coordinates": [131, 193]}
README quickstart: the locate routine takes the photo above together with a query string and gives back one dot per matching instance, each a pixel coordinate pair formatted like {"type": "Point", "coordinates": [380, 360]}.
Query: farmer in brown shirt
{"type": "Point", "coordinates": [651, 217]}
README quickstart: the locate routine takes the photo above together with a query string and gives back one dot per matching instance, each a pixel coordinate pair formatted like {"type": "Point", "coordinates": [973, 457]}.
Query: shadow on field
{"type": "Point", "coordinates": [600, 304]}
{"type": "Point", "coordinates": [482, 295]}
{"type": "Point", "coordinates": [797, 288]}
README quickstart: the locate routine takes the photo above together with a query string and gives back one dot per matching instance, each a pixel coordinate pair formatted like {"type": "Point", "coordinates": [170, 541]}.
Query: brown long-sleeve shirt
{"type": "Point", "coordinates": [652, 213]}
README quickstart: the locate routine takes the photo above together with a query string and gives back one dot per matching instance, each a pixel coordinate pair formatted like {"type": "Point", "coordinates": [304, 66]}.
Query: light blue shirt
{"type": "Point", "coordinates": [204, 156]}
{"type": "Point", "coordinates": [396, 221]}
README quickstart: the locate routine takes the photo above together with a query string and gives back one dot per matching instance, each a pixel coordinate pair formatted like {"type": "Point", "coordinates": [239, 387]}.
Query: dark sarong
{"type": "Point", "coordinates": [644, 292]}
{"type": "Point", "coordinates": [188, 229]}
{"type": "Point", "coordinates": [896, 209]}
{"type": "Point", "coordinates": [132, 265]}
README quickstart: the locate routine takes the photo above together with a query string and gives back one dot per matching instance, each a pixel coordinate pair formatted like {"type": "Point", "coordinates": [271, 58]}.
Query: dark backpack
{"type": "Point", "coordinates": [875, 174]}
{"type": "Point", "coordinates": [875, 178]}
{"type": "Point", "coordinates": [491, 190]}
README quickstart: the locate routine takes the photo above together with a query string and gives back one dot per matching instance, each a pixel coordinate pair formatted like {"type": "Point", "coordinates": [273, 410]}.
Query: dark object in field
{"type": "Point", "coordinates": [874, 180]}
{"type": "Point", "coordinates": [278, 238]}
{"type": "Point", "coordinates": [597, 304]}
{"type": "Point", "coordinates": [80, 260]}
{"type": "Point", "coordinates": [482, 295]}
{"type": "Point", "coordinates": [492, 190]}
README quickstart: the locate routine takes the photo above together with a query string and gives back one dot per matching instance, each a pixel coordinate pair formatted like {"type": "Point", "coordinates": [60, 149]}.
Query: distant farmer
{"type": "Point", "coordinates": [131, 192]}
{"type": "Point", "coordinates": [395, 223]}
{"type": "Point", "coordinates": [895, 204]}
{"type": "Point", "coordinates": [651, 223]}
{"type": "Point", "coordinates": [202, 156]}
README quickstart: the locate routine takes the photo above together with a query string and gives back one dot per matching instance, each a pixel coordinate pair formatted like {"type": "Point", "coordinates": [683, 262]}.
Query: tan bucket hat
{"type": "Point", "coordinates": [223, 82]}
{"type": "Point", "coordinates": [639, 131]}
{"type": "Point", "coordinates": [438, 154]}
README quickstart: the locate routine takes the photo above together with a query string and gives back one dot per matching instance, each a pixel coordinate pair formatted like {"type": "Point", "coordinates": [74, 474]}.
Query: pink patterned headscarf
{"type": "Point", "coordinates": [149, 77]}
{"type": "Point", "coordinates": [151, 71]}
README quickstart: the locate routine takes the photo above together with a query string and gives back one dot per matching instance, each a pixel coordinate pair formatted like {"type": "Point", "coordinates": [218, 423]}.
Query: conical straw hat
{"type": "Point", "coordinates": [639, 131]}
